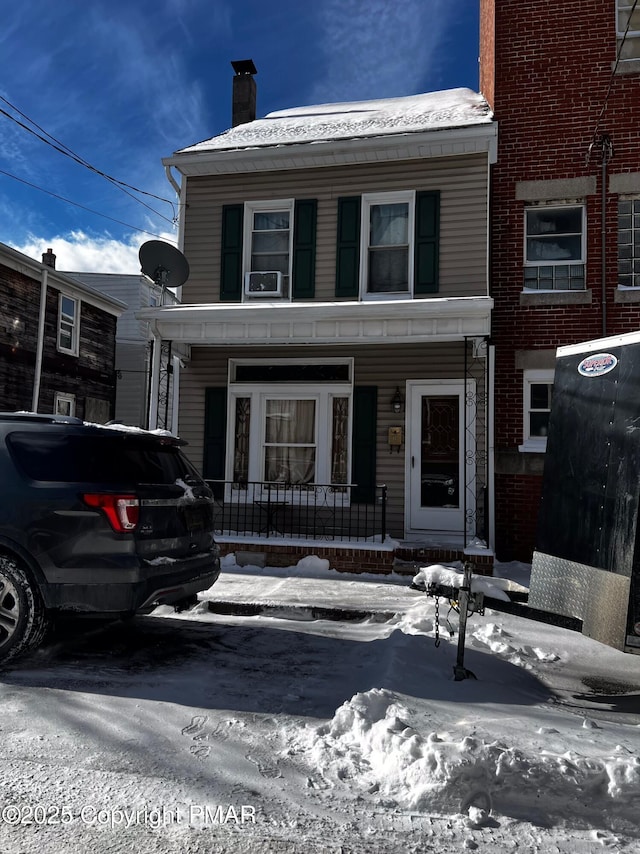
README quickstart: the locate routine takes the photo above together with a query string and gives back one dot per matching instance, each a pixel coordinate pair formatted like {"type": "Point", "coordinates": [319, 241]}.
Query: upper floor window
{"type": "Point", "coordinates": [538, 391]}
{"type": "Point", "coordinates": [629, 242]}
{"type": "Point", "coordinates": [68, 323]}
{"type": "Point", "coordinates": [628, 30]}
{"type": "Point", "coordinates": [387, 227]}
{"type": "Point", "coordinates": [555, 248]}
{"type": "Point", "coordinates": [268, 248]}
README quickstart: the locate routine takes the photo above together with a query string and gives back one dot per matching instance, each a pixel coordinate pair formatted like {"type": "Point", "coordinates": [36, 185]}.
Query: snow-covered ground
{"type": "Point", "coordinates": [284, 732]}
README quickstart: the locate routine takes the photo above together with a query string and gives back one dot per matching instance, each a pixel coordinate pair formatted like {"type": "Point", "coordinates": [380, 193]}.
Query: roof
{"type": "Point", "coordinates": [15, 260]}
{"type": "Point", "coordinates": [447, 109]}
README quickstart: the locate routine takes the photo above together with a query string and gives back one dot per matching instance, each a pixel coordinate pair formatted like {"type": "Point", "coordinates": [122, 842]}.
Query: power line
{"type": "Point", "coordinates": [77, 205]}
{"type": "Point", "coordinates": [611, 79]}
{"type": "Point", "coordinates": [64, 149]}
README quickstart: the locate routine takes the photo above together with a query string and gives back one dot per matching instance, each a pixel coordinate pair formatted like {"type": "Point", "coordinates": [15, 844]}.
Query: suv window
{"type": "Point", "coordinates": [105, 459]}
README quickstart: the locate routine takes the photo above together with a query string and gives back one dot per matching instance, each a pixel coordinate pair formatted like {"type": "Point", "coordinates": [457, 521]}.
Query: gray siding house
{"type": "Point", "coordinates": [134, 348]}
{"type": "Point", "coordinates": [337, 315]}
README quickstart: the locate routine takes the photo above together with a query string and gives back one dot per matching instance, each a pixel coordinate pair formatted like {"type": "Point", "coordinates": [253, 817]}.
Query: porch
{"type": "Point", "coordinates": [278, 524]}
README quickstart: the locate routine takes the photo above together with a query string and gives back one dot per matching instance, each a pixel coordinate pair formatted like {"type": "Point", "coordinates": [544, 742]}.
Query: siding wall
{"type": "Point", "coordinates": [385, 367]}
{"type": "Point", "coordinates": [461, 180]}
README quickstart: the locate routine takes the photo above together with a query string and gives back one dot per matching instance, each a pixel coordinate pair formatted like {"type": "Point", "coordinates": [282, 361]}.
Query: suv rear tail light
{"type": "Point", "coordinates": [122, 511]}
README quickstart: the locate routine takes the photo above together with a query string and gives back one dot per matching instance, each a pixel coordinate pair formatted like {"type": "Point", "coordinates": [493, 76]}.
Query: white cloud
{"type": "Point", "coordinates": [82, 253]}
{"type": "Point", "coordinates": [381, 48]}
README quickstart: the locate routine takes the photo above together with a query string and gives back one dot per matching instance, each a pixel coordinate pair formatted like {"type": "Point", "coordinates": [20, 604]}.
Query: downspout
{"type": "Point", "coordinates": [40, 342]}
{"type": "Point", "coordinates": [181, 191]}
{"type": "Point", "coordinates": [607, 152]}
{"type": "Point", "coordinates": [491, 478]}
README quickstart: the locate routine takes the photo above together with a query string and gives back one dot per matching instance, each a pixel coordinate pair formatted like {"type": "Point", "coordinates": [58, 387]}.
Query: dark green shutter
{"type": "Point", "coordinates": [348, 247]}
{"type": "Point", "coordinates": [427, 242]}
{"type": "Point", "coordinates": [215, 433]}
{"type": "Point", "coordinates": [231, 263]}
{"type": "Point", "coordinates": [363, 456]}
{"type": "Point", "coordinates": [304, 249]}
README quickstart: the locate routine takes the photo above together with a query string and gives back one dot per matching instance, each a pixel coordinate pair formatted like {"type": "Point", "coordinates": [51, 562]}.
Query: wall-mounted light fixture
{"type": "Point", "coordinates": [397, 401]}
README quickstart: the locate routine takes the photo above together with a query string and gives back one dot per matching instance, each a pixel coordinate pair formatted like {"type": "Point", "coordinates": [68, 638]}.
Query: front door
{"type": "Point", "coordinates": [436, 449]}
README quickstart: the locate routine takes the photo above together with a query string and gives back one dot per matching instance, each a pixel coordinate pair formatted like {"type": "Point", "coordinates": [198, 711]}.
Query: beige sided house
{"type": "Point", "coordinates": [337, 315]}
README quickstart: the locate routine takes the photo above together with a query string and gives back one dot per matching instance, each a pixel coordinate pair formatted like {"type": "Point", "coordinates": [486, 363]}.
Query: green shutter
{"type": "Point", "coordinates": [363, 466]}
{"type": "Point", "coordinates": [348, 247]}
{"type": "Point", "coordinates": [304, 249]}
{"type": "Point", "coordinates": [231, 263]}
{"type": "Point", "coordinates": [427, 240]}
{"type": "Point", "coordinates": [215, 432]}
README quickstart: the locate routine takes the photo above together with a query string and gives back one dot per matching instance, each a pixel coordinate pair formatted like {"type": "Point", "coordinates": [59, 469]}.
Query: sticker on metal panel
{"type": "Point", "coordinates": [597, 365]}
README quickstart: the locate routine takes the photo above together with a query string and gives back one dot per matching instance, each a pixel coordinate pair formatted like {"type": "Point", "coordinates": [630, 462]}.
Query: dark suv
{"type": "Point", "coordinates": [107, 521]}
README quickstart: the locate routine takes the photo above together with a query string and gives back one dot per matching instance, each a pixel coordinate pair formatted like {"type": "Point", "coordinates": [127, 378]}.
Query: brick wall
{"type": "Point", "coordinates": [547, 69]}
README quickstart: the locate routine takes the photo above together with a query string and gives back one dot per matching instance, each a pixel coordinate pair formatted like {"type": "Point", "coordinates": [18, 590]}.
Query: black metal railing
{"type": "Point", "coordinates": [311, 511]}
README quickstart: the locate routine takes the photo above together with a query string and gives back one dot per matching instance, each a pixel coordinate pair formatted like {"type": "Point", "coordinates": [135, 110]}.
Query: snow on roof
{"type": "Point", "coordinates": [450, 108]}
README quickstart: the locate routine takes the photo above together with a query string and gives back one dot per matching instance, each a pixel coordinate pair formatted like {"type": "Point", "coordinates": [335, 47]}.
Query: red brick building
{"type": "Point", "coordinates": [564, 83]}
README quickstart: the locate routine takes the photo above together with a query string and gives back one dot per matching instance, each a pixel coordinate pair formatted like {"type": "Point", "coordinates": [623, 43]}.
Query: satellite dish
{"type": "Point", "coordinates": [163, 264]}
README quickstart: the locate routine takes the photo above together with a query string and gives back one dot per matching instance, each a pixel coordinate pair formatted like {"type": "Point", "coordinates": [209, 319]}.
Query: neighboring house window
{"type": "Point", "coordinates": [65, 404]}
{"type": "Point", "coordinates": [267, 248]}
{"type": "Point", "coordinates": [538, 391]}
{"type": "Point", "coordinates": [629, 243]}
{"type": "Point", "coordinates": [68, 321]}
{"type": "Point", "coordinates": [290, 422]}
{"type": "Point", "coordinates": [387, 229]}
{"type": "Point", "coordinates": [555, 248]}
{"type": "Point", "coordinates": [628, 29]}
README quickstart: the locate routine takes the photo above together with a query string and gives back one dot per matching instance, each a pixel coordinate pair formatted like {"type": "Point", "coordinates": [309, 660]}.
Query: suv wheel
{"type": "Point", "coordinates": [23, 620]}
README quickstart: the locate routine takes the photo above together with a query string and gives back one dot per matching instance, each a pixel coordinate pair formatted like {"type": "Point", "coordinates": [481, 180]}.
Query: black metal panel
{"type": "Point", "coordinates": [589, 507]}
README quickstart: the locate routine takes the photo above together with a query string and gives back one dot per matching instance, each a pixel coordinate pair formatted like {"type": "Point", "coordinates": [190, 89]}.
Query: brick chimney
{"type": "Point", "coordinates": [243, 106]}
{"type": "Point", "coordinates": [49, 259]}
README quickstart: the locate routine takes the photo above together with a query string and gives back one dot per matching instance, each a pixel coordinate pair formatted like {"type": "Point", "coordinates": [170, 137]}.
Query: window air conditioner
{"type": "Point", "coordinates": [263, 284]}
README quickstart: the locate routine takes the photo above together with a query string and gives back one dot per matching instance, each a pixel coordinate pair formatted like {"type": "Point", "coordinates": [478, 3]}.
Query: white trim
{"type": "Point", "coordinates": [407, 197]}
{"type": "Point", "coordinates": [265, 206]}
{"type": "Point", "coordinates": [64, 397]}
{"type": "Point", "coordinates": [599, 344]}
{"type": "Point", "coordinates": [462, 388]}
{"type": "Point", "coordinates": [583, 235]}
{"type": "Point", "coordinates": [533, 376]}
{"type": "Point", "coordinates": [75, 327]}
{"type": "Point", "coordinates": [371, 322]}
{"type": "Point", "coordinates": [474, 139]}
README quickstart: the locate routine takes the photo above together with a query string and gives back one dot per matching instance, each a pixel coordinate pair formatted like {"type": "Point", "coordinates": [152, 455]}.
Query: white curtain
{"type": "Point", "coordinates": [290, 453]}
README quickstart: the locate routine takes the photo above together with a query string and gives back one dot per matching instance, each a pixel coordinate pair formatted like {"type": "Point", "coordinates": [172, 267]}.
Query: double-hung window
{"type": "Point", "coordinates": [388, 246]}
{"type": "Point", "coordinates": [268, 248]}
{"type": "Point", "coordinates": [629, 242]}
{"type": "Point", "coordinates": [538, 391]}
{"type": "Point", "coordinates": [555, 248]}
{"type": "Point", "coordinates": [64, 404]}
{"type": "Point", "coordinates": [68, 324]}
{"type": "Point", "coordinates": [628, 31]}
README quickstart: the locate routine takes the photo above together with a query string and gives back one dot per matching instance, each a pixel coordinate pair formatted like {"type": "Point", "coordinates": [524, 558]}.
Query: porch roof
{"type": "Point", "coordinates": [379, 322]}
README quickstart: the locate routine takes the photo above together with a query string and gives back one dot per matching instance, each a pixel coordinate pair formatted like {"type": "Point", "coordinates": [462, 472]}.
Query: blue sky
{"type": "Point", "coordinates": [123, 84]}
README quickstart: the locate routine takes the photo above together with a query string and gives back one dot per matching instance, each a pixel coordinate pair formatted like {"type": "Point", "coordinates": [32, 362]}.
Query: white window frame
{"type": "Point", "coordinates": [368, 201]}
{"type": "Point", "coordinates": [64, 398]}
{"type": "Point", "coordinates": [623, 8]}
{"type": "Point", "coordinates": [539, 376]}
{"type": "Point", "coordinates": [634, 256]}
{"type": "Point", "coordinates": [74, 326]}
{"type": "Point", "coordinates": [556, 264]}
{"type": "Point", "coordinates": [258, 392]}
{"type": "Point", "coordinates": [266, 206]}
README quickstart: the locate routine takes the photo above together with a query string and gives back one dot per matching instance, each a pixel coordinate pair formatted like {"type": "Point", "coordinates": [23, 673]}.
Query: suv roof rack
{"type": "Point", "coordinates": [37, 416]}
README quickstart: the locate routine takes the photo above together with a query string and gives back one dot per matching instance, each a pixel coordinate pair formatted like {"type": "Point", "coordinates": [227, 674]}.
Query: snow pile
{"type": "Point", "coordinates": [451, 576]}
{"type": "Point", "coordinates": [371, 746]}
{"type": "Point", "coordinates": [430, 111]}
